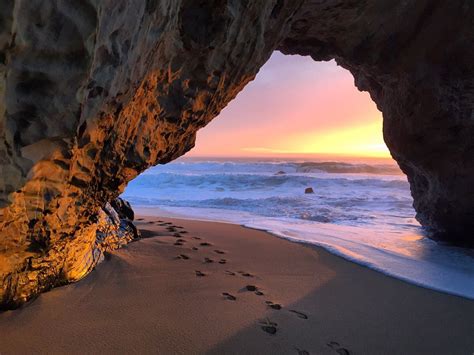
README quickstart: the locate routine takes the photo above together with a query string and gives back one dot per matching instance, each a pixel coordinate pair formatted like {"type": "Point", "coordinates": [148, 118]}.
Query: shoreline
{"type": "Point", "coordinates": [156, 212]}
{"type": "Point", "coordinates": [148, 297]}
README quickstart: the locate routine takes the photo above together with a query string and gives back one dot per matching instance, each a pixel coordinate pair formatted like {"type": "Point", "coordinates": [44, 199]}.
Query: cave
{"type": "Point", "coordinates": [92, 94]}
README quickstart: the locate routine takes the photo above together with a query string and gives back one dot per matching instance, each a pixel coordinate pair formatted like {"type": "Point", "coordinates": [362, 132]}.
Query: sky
{"type": "Point", "coordinates": [296, 106]}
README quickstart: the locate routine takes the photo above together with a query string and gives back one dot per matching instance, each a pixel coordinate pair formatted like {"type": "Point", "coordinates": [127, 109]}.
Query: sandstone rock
{"type": "Point", "coordinates": [309, 190]}
{"type": "Point", "coordinates": [113, 230]}
{"type": "Point", "coordinates": [94, 92]}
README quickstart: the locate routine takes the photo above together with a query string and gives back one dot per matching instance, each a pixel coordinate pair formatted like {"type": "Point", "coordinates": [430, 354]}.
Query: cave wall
{"type": "Point", "coordinates": [93, 92]}
{"type": "Point", "coordinates": [415, 58]}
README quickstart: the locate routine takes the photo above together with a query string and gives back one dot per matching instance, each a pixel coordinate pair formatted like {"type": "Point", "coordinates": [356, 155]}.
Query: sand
{"type": "Point", "coordinates": [159, 295]}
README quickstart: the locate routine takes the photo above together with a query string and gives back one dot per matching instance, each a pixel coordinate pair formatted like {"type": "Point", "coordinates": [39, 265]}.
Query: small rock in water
{"type": "Point", "coordinates": [309, 190]}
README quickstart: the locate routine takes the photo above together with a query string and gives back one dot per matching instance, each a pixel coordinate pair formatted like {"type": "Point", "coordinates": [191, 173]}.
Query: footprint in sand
{"type": "Point", "coordinates": [139, 219]}
{"type": "Point", "coordinates": [245, 274]}
{"type": "Point", "coordinates": [299, 314]}
{"type": "Point", "coordinates": [219, 251]}
{"type": "Point", "coordinates": [205, 244]}
{"type": "Point", "coordinates": [253, 288]}
{"type": "Point", "coordinates": [208, 260]}
{"type": "Point", "coordinates": [230, 273]}
{"type": "Point", "coordinates": [273, 305]}
{"type": "Point", "coordinates": [199, 273]}
{"type": "Point", "coordinates": [178, 243]}
{"type": "Point", "coordinates": [337, 348]}
{"type": "Point", "coordinates": [177, 235]}
{"type": "Point", "coordinates": [222, 261]}
{"type": "Point", "coordinates": [229, 296]}
{"type": "Point", "coordinates": [268, 326]}
{"type": "Point", "coordinates": [197, 238]}
{"type": "Point", "coordinates": [182, 256]}
{"type": "Point", "coordinates": [194, 248]}
{"type": "Point", "coordinates": [301, 351]}
{"type": "Point", "coordinates": [184, 232]}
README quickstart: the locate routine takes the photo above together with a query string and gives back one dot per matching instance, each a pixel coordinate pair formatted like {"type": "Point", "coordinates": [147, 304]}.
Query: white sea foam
{"type": "Point", "coordinates": [361, 212]}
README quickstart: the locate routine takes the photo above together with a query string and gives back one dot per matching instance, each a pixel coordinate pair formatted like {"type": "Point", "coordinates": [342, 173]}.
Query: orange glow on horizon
{"type": "Point", "coordinates": [296, 106]}
{"type": "Point", "coordinates": [361, 141]}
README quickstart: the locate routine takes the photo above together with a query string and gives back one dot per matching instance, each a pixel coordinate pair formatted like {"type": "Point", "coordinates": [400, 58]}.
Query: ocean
{"type": "Point", "coordinates": [360, 210]}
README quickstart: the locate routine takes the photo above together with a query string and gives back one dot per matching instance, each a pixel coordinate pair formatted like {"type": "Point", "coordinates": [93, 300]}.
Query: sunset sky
{"type": "Point", "coordinates": [296, 106]}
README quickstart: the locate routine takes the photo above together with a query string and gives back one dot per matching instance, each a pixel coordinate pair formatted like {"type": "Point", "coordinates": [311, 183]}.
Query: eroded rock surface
{"type": "Point", "coordinates": [93, 92]}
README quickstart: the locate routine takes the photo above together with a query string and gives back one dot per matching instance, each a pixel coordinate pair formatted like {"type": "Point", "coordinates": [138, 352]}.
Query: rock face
{"type": "Point", "coordinates": [114, 229]}
{"type": "Point", "coordinates": [415, 59]}
{"type": "Point", "coordinates": [93, 92]}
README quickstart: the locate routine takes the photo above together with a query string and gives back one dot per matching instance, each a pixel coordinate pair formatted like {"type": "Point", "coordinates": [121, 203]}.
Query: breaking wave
{"type": "Point", "coordinates": [361, 211]}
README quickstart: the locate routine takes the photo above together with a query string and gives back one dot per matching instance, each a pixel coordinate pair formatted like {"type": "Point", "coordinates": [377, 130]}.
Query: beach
{"type": "Point", "coordinates": [190, 287]}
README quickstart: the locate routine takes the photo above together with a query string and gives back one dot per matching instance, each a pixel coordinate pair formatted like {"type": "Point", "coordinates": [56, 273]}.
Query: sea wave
{"type": "Point", "coordinates": [243, 181]}
{"type": "Point", "coordinates": [348, 168]}
{"type": "Point", "coordinates": [362, 211]}
{"type": "Point", "coordinates": [281, 168]}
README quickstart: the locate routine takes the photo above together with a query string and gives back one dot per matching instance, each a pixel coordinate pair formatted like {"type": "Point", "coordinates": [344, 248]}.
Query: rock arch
{"type": "Point", "coordinates": [94, 92]}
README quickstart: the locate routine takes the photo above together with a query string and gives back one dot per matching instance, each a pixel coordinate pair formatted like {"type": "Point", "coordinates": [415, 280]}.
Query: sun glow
{"type": "Point", "coordinates": [365, 140]}
{"type": "Point", "coordinates": [297, 106]}
{"type": "Point", "coordinates": [362, 141]}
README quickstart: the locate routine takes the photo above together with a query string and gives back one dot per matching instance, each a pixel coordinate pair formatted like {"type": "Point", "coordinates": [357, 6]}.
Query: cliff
{"type": "Point", "coordinates": [93, 92]}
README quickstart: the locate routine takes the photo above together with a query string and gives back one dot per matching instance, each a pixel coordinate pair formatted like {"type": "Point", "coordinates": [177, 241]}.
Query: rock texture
{"type": "Point", "coordinates": [415, 58]}
{"type": "Point", "coordinates": [93, 92]}
{"type": "Point", "coordinates": [113, 229]}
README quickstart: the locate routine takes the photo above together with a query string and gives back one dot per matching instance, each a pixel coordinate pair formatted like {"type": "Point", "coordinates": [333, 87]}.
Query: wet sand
{"type": "Point", "coordinates": [194, 287]}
